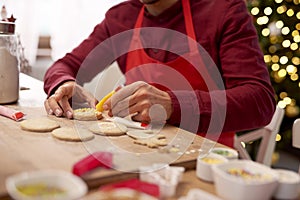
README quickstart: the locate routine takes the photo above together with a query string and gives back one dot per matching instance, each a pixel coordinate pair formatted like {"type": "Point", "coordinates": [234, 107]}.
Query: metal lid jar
{"type": "Point", "coordinates": [9, 63]}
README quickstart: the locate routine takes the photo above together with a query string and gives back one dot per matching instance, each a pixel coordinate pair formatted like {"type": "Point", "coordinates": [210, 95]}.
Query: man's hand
{"type": "Point", "coordinates": [144, 102]}
{"type": "Point", "coordinates": [58, 103]}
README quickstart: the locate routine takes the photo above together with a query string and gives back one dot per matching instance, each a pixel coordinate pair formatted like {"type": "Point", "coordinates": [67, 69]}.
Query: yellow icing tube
{"type": "Point", "coordinates": [99, 106]}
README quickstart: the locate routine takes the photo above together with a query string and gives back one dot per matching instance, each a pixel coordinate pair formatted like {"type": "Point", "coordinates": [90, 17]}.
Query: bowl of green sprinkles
{"type": "Point", "coordinates": [45, 184]}
{"type": "Point", "coordinates": [230, 154]}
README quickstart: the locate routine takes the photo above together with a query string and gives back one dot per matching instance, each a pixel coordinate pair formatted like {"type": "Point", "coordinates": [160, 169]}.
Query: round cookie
{"type": "Point", "coordinates": [108, 128]}
{"type": "Point", "coordinates": [39, 125]}
{"type": "Point", "coordinates": [87, 114]}
{"type": "Point", "coordinates": [72, 134]}
{"type": "Point", "coordinates": [140, 134]}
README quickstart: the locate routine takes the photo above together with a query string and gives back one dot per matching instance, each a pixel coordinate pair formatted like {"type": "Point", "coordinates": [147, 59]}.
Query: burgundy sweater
{"type": "Point", "coordinates": [223, 28]}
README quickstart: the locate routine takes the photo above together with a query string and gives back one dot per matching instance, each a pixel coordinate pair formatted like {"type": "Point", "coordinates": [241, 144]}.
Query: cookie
{"type": "Point", "coordinates": [154, 142]}
{"type": "Point", "coordinates": [39, 125]}
{"type": "Point", "coordinates": [108, 128]}
{"type": "Point", "coordinates": [72, 134]}
{"type": "Point", "coordinates": [87, 114]}
{"type": "Point", "coordinates": [140, 134]}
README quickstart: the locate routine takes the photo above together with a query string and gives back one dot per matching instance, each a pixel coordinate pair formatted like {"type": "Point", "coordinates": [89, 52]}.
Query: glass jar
{"type": "Point", "coordinates": [9, 63]}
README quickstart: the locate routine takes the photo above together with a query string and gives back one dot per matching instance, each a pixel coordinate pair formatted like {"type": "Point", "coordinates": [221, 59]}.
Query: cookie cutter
{"type": "Point", "coordinates": [134, 184]}
{"type": "Point", "coordinates": [165, 176]}
{"type": "Point", "coordinates": [90, 162]}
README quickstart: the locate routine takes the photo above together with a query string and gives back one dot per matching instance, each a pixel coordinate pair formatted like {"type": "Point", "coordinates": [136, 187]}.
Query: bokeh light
{"type": "Point", "coordinates": [290, 12]}
{"type": "Point", "coordinates": [286, 43]}
{"type": "Point", "coordinates": [294, 46]}
{"type": "Point", "coordinates": [262, 20]}
{"type": "Point", "coordinates": [254, 11]}
{"type": "Point", "coordinates": [275, 59]}
{"type": "Point", "coordinates": [265, 32]}
{"type": "Point", "coordinates": [282, 73]}
{"type": "Point", "coordinates": [283, 60]}
{"type": "Point", "coordinates": [296, 38]}
{"type": "Point", "coordinates": [285, 30]}
{"type": "Point", "coordinates": [268, 11]}
{"type": "Point", "coordinates": [275, 67]}
{"type": "Point", "coordinates": [278, 25]}
{"type": "Point", "coordinates": [296, 60]}
{"type": "Point", "coordinates": [281, 9]}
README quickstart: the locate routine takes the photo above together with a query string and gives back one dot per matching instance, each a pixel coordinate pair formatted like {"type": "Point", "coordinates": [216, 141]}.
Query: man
{"type": "Point", "coordinates": [179, 83]}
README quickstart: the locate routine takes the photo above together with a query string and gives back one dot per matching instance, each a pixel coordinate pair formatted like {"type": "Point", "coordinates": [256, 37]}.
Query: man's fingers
{"type": "Point", "coordinates": [142, 117]}
{"type": "Point", "coordinates": [64, 90]}
{"type": "Point", "coordinates": [58, 103]}
{"type": "Point", "coordinates": [123, 113]}
{"type": "Point", "coordinates": [131, 108]}
{"type": "Point", "coordinates": [155, 114]}
{"type": "Point", "coordinates": [125, 92]}
{"type": "Point", "coordinates": [92, 102]}
{"type": "Point", "coordinates": [54, 106]}
{"type": "Point", "coordinates": [64, 103]}
{"type": "Point", "coordinates": [59, 93]}
{"type": "Point", "coordinates": [121, 106]}
{"type": "Point", "coordinates": [148, 103]}
{"type": "Point", "coordinates": [47, 107]}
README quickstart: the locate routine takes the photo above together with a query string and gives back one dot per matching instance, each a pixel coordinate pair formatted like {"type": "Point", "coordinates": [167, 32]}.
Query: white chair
{"type": "Point", "coordinates": [267, 135]}
{"type": "Point", "coordinates": [296, 134]}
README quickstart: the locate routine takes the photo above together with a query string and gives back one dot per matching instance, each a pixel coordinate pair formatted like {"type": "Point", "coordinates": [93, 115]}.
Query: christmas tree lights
{"type": "Point", "coordinates": [278, 26]}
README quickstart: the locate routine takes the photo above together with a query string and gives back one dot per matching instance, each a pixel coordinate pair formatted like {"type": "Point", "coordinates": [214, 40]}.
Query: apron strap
{"type": "Point", "coordinates": [138, 24]}
{"type": "Point", "coordinates": [189, 25]}
{"type": "Point", "coordinates": [140, 18]}
{"type": "Point", "coordinates": [188, 19]}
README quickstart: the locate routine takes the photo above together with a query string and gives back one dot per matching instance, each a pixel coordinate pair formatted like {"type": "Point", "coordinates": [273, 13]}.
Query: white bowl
{"type": "Point", "coordinates": [289, 184]}
{"type": "Point", "coordinates": [204, 166]}
{"type": "Point", "coordinates": [66, 185]}
{"type": "Point", "coordinates": [234, 187]}
{"type": "Point", "coordinates": [230, 154]}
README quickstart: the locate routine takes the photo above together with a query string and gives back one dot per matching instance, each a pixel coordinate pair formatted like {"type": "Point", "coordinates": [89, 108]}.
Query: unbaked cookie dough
{"type": "Point", "coordinates": [154, 142]}
{"type": "Point", "coordinates": [140, 134]}
{"type": "Point", "coordinates": [72, 134]}
{"type": "Point", "coordinates": [39, 125]}
{"type": "Point", "coordinates": [108, 128]}
{"type": "Point", "coordinates": [87, 114]}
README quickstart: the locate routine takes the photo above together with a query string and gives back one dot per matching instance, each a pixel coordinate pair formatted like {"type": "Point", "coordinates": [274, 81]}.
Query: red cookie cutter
{"type": "Point", "coordinates": [95, 160]}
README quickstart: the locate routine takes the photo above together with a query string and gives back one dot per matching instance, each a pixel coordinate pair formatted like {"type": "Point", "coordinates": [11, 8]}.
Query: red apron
{"type": "Point", "coordinates": [170, 75]}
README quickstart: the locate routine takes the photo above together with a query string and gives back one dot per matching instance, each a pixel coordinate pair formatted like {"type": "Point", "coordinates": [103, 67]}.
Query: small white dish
{"type": "Point", "coordinates": [230, 154]}
{"type": "Point", "coordinates": [244, 179]}
{"type": "Point", "coordinates": [45, 184]}
{"type": "Point", "coordinates": [204, 166]}
{"type": "Point", "coordinates": [289, 185]}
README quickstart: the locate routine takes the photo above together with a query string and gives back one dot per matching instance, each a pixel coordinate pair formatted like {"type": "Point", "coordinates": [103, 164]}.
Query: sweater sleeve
{"type": "Point", "coordinates": [72, 67]}
{"type": "Point", "coordinates": [249, 100]}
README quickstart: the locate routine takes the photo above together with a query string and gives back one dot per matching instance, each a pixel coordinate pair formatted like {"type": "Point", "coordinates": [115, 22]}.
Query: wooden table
{"type": "Point", "coordinates": [26, 151]}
